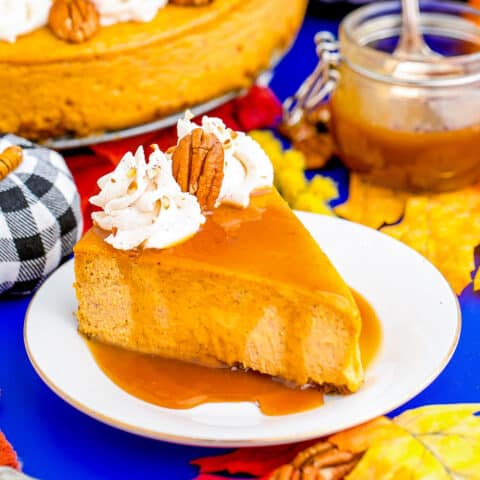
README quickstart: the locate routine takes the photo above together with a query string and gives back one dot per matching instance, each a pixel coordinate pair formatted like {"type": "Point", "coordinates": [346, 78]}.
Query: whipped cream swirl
{"type": "Point", "coordinates": [18, 17]}
{"type": "Point", "coordinates": [116, 11]}
{"type": "Point", "coordinates": [143, 204]}
{"type": "Point", "coordinates": [247, 167]}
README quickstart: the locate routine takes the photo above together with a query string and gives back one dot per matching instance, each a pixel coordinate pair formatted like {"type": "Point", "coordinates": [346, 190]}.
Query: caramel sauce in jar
{"type": "Point", "coordinates": [180, 385]}
{"type": "Point", "coordinates": [408, 123]}
{"type": "Point", "coordinates": [414, 161]}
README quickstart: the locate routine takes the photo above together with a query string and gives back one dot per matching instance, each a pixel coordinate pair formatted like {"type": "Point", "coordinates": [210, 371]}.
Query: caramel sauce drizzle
{"type": "Point", "coordinates": [180, 385]}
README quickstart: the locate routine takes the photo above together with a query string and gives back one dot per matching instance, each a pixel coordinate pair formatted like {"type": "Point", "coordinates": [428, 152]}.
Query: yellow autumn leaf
{"type": "Point", "coordinates": [309, 202]}
{"type": "Point", "coordinates": [400, 459]}
{"type": "Point", "coordinates": [290, 180]}
{"type": "Point", "coordinates": [320, 190]}
{"type": "Point", "coordinates": [434, 442]}
{"type": "Point", "coordinates": [451, 433]}
{"type": "Point", "coordinates": [324, 188]}
{"type": "Point", "coordinates": [271, 146]}
{"type": "Point", "coordinates": [290, 183]}
{"type": "Point", "coordinates": [371, 205]}
{"type": "Point", "coordinates": [445, 228]}
{"type": "Point", "coordinates": [476, 281]}
{"type": "Point", "coordinates": [294, 159]}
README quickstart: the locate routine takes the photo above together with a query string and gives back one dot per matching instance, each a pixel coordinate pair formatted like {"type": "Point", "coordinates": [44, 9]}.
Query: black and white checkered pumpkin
{"type": "Point", "coordinates": [40, 217]}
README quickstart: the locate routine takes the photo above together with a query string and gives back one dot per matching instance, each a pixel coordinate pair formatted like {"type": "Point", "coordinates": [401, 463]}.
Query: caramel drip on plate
{"type": "Point", "coordinates": [180, 385]}
{"type": "Point", "coordinates": [371, 335]}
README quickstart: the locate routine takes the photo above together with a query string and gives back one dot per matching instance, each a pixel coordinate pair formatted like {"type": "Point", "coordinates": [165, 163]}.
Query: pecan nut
{"type": "Point", "coordinates": [321, 461]}
{"type": "Point", "coordinates": [197, 165]}
{"type": "Point", "coordinates": [74, 20]}
{"type": "Point", "coordinates": [10, 159]}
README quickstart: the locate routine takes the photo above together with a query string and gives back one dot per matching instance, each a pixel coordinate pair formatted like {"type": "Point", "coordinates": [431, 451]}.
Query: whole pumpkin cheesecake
{"type": "Point", "coordinates": [195, 256]}
{"type": "Point", "coordinates": [77, 72]}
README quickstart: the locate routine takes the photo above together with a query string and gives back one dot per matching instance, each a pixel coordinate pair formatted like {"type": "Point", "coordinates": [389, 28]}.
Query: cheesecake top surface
{"type": "Point", "coordinates": [41, 46]}
{"type": "Point", "coordinates": [264, 240]}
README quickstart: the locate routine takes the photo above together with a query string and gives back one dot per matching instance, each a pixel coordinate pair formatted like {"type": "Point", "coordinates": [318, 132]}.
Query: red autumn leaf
{"type": "Point", "coordinates": [86, 170]}
{"type": "Point", "coordinates": [8, 457]}
{"type": "Point", "coordinates": [227, 112]}
{"type": "Point", "coordinates": [114, 151]}
{"type": "Point", "coordinates": [253, 461]}
{"type": "Point", "coordinates": [259, 108]}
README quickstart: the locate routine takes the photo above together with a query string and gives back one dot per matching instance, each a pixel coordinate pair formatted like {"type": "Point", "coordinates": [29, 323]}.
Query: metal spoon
{"type": "Point", "coordinates": [412, 44]}
{"type": "Point", "coordinates": [414, 59]}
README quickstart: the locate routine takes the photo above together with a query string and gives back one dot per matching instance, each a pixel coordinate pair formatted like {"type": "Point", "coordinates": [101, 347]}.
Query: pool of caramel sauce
{"type": "Point", "coordinates": [179, 385]}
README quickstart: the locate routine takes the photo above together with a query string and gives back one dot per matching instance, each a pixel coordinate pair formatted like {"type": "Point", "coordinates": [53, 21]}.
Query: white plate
{"type": "Point", "coordinates": [418, 311]}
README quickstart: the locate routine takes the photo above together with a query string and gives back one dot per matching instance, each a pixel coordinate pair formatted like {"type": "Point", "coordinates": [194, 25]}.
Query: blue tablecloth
{"type": "Point", "coordinates": [56, 442]}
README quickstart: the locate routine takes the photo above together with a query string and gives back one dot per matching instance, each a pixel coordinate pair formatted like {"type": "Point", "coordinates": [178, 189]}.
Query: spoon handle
{"type": "Point", "coordinates": [411, 39]}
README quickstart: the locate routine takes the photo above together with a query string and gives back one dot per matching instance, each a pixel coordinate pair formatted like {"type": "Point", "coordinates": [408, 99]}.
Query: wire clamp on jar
{"type": "Point", "coordinates": [319, 84]}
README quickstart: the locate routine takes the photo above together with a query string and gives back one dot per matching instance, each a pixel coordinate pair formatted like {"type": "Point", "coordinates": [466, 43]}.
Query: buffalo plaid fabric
{"type": "Point", "coordinates": [40, 217]}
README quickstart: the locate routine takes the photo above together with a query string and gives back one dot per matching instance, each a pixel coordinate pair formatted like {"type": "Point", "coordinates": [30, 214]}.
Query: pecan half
{"type": "Point", "coordinates": [321, 461]}
{"type": "Point", "coordinates": [10, 159]}
{"type": "Point", "coordinates": [197, 165]}
{"type": "Point", "coordinates": [74, 20]}
{"type": "Point", "coordinates": [191, 3]}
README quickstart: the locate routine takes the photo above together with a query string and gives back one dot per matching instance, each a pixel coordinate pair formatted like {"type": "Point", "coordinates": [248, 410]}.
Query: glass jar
{"type": "Point", "coordinates": [412, 125]}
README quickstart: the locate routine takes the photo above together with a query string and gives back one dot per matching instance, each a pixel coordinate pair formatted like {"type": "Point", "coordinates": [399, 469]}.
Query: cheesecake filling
{"type": "Point", "coordinates": [142, 204]}
{"type": "Point", "coordinates": [18, 17]}
{"type": "Point", "coordinates": [247, 167]}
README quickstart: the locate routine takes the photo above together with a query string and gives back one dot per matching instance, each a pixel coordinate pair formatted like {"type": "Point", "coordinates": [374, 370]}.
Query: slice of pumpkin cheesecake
{"type": "Point", "coordinates": [213, 266]}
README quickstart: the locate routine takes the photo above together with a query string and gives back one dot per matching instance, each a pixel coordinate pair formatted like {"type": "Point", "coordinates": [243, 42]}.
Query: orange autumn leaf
{"type": "Point", "coordinates": [371, 205]}
{"type": "Point", "coordinates": [475, 3]}
{"type": "Point", "coordinates": [476, 281]}
{"type": "Point", "coordinates": [445, 228]}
